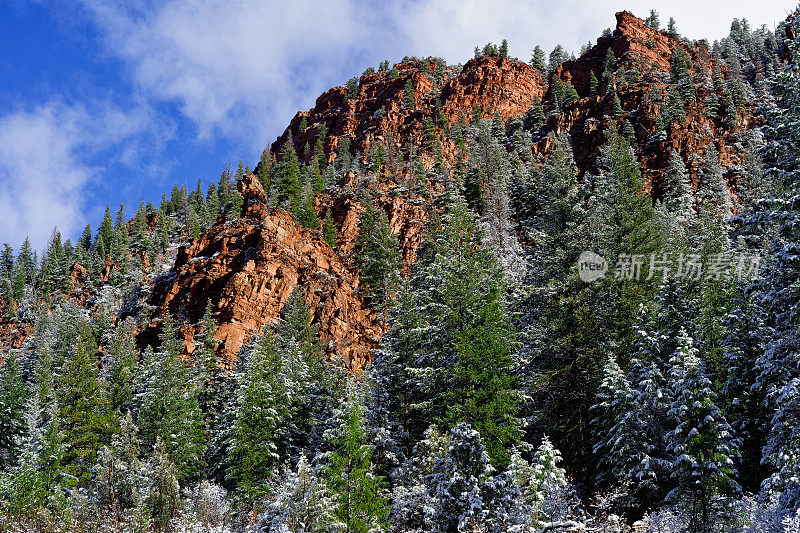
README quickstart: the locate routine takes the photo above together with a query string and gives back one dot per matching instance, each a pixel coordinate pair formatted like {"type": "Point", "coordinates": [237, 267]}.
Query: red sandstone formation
{"type": "Point", "coordinates": [248, 269]}
{"type": "Point", "coordinates": [643, 65]}
{"type": "Point", "coordinates": [378, 114]}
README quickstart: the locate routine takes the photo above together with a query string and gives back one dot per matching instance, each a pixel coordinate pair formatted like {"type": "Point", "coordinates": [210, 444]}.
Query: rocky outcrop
{"type": "Point", "coordinates": [378, 112]}
{"type": "Point", "coordinates": [642, 80]}
{"type": "Point", "coordinates": [247, 270]}
{"type": "Point", "coordinates": [13, 335]}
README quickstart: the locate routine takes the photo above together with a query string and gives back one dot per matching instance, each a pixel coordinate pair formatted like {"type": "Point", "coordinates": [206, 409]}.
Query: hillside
{"type": "Point", "coordinates": [387, 324]}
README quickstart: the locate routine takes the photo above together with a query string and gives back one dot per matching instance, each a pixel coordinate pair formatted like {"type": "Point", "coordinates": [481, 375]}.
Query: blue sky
{"type": "Point", "coordinates": [105, 101]}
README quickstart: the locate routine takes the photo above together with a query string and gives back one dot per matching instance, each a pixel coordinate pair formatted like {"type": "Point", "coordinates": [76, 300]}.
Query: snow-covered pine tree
{"type": "Point", "coordinates": [462, 366]}
{"type": "Point", "coordinates": [13, 398]}
{"type": "Point", "coordinates": [678, 201]}
{"type": "Point", "coordinates": [166, 406]}
{"type": "Point", "coordinates": [85, 413]}
{"type": "Point", "coordinates": [355, 490]}
{"type": "Point", "coordinates": [302, 503]}
{"type": "Point", "coordinates": [712, 189]}
{"type": "Point", "coordinates": [777, 292]}
{"type": "Point", "coordinates": [258, 430]}
{"type": "Point", "coordinates": [702, 443]}
{"type": "Point", "coordinates": [378, 256]}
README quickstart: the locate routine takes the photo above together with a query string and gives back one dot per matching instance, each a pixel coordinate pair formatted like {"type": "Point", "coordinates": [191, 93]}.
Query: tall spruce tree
{"type": "Point", "coordinates": [167, 408]}
{"type": "Point", "coordinates": [13, 396]}
{"type": "Point", "coordinates": [356, 491]}
{"type": "Point", "coordinates": [85, 413]}
{"type": "Point", "coordinates": [463, 368]}
{"type": "Point", "coordinates": [378, 256]}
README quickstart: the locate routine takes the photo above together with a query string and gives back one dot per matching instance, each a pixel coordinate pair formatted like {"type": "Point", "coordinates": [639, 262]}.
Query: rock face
{"type": "Point", "coordinates": [13, 335]}
{"type": "Point", "coordinates": [247, 269]}
{"type": "Point", "coordinates": [378, 112]}
{"type": "Point", "coordinates": [643, 64]}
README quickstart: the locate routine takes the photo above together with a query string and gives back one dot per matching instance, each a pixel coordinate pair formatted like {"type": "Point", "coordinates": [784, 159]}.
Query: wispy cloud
{"type": "Point", "coordinates": [235, 68]}
{"type": "Point", "coordinates": [46, 156]}
{"type": "Point", "coordinates": [242, 68]}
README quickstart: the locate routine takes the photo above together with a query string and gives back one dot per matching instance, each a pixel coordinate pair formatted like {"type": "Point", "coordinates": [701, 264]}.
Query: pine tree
{"type": "Point", "coordinates": [503, 51]}
{"type": "Point", "coordinates": [289, 186]}
{"type": "Point", "coordinates": [120, 476]}
{"type": "Point", "coordinates": [702, 443]}
{"type": "Point", "coordinates": [408, 95]}
{"type": "Point", "coordinates": [712, 188]}
{"type": "Point", "coordinates": [608, 64]}
{"type": "Point", "coordinates": [652, 20]}
{"type": "Point", "coordinates": [356, 491]}
{"type": "Point", "coordinates": [378, 257]}
{"type": "Point", "coordinates": [209, 378]}
{"type": "Point", "coordinates": [748, 408]}
{"type": "Point", "coordinates": [262, 409]}
{"type": "Point", "coordinates": [616, 108]}
{"type": "Point", "coordinates": [776, 292]}
{"type": "Point", "coordinates": [13, 396]}
{"type": "Point", "coordinates": [593, 84]}
{"type": "Point", "coordinates": [631, 426]}
{"type": "Point", "coordinates": [672, 29]}
{"type": "Point", "coordinates": [537, 59]}
{"type": "Point", "coordinates": [570, 94]}
{"type": "Point", "coordinates": [535, 118]}
{"type": "Point", "coordinates": [85, 413]}
{"type": "Point", "coordinates": [262, 169]}
{"type": "Point", "coordinates": [463, 367]}
{"type": "Point", "coordinates": [303, 503]}
{"type": "Point", "coordinates": [329, 229]}
{"type": "Point", "coordinates": [85, 242]}
{"type": "Point", "coordinates": [163, 494]}
{"type": "Point", "coordinates": [678, 202]}
{"type": "Point", "coordinates": [314, 179]}
{"type": "Point", "coordinates": [106, 231]}
{"type": "Point", "coordinates": [168, 411]}
{"type": "Point", "coordinates": [557, 56]}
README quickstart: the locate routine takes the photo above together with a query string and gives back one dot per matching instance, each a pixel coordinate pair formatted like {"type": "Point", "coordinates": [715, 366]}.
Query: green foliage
{"type": "Point", "coordinates": [356, 491]}
{"type": "Point", "coordinates": [608, 64]}
{"type": "Point", "coordinates": [503, 51]}
{"type": "Point", "coordinates": [535, 118]}
{"type": "Point", "coordinates": [378, 257]}
{"type": "Point", "coordinates": [289, 184]}
{"type": "Point", "coordinates": [592, 84]}
{"type": "Point", "coordinates": [262, 407]}
{"type": "Point", "coordinates": [557, 56]}
{"type": "Point", "coordinates": [570, 94]}
{"type": "Point", "coordinates": [408, 95]}
{"type": "Point", "coordinates": [13, 395]}
{"type": "Point", "coordinates": [538, 59]}
{"type": "Point", "coordinates": [672, 29]}
{"type": "Point", "coordinates": [167, 408]}
{"type": "Point", "coordinates": [616, 108]}
{"type": "Point", "coordinates": [262, 170]}
{"type": "Point", "coordinates": [652, 20]}
{"type": "Point", "coordinates": [465, 374]}
{"type": "Point", "coordinates": [85, 413]}
{"type": "Point", "coordinates": [329, 229]}
{"type": "Point", "coordinates": [105, 233]}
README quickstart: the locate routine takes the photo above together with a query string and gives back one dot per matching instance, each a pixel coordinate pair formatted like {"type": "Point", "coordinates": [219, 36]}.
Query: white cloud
{"type": "Point", "coordinates": [242, 68]}
{"type": "Point", "coordinates": [45, 164]}
{"type": "Point", "coordinates": [235, 68]}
